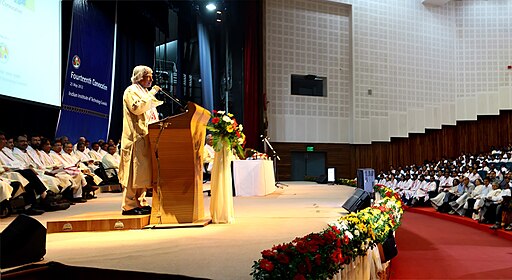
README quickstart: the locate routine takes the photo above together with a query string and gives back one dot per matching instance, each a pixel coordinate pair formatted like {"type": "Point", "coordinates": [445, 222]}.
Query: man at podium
{"type": "Point", "coordinates": [135, 168]}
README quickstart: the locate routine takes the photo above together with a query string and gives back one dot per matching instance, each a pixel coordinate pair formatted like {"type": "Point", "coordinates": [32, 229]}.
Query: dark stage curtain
{"type": "Point", "coordinates": [252, 74]}
{"type": "Point", "coordinates": [135, 46]}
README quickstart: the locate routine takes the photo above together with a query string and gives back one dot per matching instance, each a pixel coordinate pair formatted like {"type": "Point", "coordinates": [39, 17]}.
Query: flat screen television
{"type": "Point", "coordinates": [309, 85]}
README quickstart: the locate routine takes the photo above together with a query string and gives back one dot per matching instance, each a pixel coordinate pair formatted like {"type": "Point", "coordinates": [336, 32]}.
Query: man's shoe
{"type": "Point", "coordinates": [90, 196]}
{"type": "Point", "coordinates": [88, 188]}
{"type": "Point", "coordinates": [134, 211]}
{"type": "Point", "coordinates": [147, 208]}
{"type": "Point", "coordinates": [495, 227]}
{"type": "Point", "coordinates": [33, 211]}
{"type": "Point", "coordinates": [78, 200]}
{"type": "Point", "coordinates": [509, 228]}
{"type": "Point", "coordinates": [56, 206]}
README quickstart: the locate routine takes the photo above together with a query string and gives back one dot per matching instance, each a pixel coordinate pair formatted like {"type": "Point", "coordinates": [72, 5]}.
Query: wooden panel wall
{"type": "Point", "coordinates": [448, 142]}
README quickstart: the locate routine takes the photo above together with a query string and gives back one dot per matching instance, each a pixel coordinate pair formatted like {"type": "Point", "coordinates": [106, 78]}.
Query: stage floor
{"type": "Point", "coordinates": [217, 251]}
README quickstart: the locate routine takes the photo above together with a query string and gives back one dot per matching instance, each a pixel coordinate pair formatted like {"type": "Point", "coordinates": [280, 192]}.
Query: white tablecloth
{"type": "Point", "coordinates": [253, 177]}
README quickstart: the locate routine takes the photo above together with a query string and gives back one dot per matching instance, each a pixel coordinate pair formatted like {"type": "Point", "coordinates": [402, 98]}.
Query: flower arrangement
{"type": "Point", "coordinates": [348, 182]}
{"type": "Point", "coordinates": [322, 255]}
{"type": "Point", "coordinates": [226, 131]}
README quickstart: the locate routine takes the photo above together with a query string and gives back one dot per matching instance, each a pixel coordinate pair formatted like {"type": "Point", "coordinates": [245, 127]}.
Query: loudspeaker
{"type": "Point", "coordinates": [23, 241]}
{"type": "Point", "coordinates": [322, 179]}
{"type": "Point", "coordinates": [359, 200]}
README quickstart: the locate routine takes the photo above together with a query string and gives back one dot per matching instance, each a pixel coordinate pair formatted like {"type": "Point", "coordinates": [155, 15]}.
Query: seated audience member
{"type": "Point", "coordinates": [33, 188]}
{"type": "Point", "coordinates": [465, 190]}
{"type": "Point", "coordinates": [87, 145]}
{"type": "Point", "coordinates": [473, 176]}
{"type": "Point", "coordinates": [492, 199]}
{"type": "Point", "coordinates": [104, 149]}
{"type": "Point", "coordinates": [111, 162]}
{"type": "Point", "coordinates": [84, 157]}
{"type": "Point", "coordinates": [56, 167]}
{"type": "Point", "coordinates": [493, 177]}
{"type": "Point", "coordinates": [479, 197]}
{"type": "Point", "coordinates": [208, 154]}
{"type": "Point", "coordinates": [503, 205]}
{"type": "Point", "coordinates": [30, 159]}
{"type": "Point", "coordinates": [445, 196]}
{"type": "Point", "coordinates": [70, 166]}
{"type": "Point", "coordinates": [421, 193]}
{"type": "Point", "coordinates": [6, 191]}
{"type": "Point", "coordinates": [506, 181]}
{"type": "Point", "coordinates": [80, 140]}
{"type": "Point", "coordinates": [471, 198]}
{"type": "Point", "coordinates": [94, 153]}
{"type": "Point", "coordinates": [92, 179]}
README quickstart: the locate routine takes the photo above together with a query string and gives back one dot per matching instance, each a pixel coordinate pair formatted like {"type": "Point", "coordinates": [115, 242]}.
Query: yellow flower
{"type": "Point", "coordinates": [229, 128]}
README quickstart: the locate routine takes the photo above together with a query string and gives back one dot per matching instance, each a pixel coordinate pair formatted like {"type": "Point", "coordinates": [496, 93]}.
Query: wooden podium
{"type": "Point", "coordinates": [177, 153]}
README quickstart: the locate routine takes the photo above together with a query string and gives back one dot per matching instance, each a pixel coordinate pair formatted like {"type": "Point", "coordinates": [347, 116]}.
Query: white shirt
{"type": "Point", "coordinates": [111, 161]}
{"type": "Point", "coordinates": [95, 155]}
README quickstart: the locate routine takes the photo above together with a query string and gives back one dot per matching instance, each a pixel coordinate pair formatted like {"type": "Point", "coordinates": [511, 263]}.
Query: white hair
{"type": "Point", "coordinates": [139, 72]}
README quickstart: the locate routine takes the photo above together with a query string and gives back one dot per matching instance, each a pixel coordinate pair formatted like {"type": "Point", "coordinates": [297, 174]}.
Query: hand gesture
{"type": "Point", "coordinates": [156, 88]}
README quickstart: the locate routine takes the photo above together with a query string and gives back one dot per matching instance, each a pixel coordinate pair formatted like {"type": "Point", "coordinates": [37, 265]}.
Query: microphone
{"type": "Point", "coordinates": [174, 99]}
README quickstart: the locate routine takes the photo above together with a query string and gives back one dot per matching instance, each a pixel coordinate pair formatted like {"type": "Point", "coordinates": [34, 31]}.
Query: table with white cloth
{"type": "Point", "coordinates": [253, 177]}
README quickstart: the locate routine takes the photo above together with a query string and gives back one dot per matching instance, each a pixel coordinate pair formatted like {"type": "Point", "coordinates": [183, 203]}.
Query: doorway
{"type": "Point", "coordinates": [307, 165]}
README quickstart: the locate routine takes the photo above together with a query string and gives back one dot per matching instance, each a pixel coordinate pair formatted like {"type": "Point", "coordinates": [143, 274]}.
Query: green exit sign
{"type": "Point", "coordinates": [310, 149]}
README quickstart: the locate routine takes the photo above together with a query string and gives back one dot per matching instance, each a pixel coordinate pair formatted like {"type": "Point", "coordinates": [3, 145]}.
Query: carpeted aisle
{"type": "Point", "coordinates": [431, 248]}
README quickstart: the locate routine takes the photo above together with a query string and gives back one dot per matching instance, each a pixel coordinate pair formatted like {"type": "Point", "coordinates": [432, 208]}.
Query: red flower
{"type": "Point", "coordinates": [266, 265]}
{"type": "Point", "coordinates": [318, 259]}
{"type": "Point", "coordinates": [336, 229]}
{"type": "Point", "coordinates": [215, 111]}
{"type": "Point", "coordinates": [337, 256]}
{"type": "Point", "coordinates": [267, 253]}
{"type": "Point", "coordinates": [388, 194]}
{"type": "Point", "coordinates": [299, 277]}
{"type": "Point", "coordinates": [302, 247]}
{"type": "Point", "coordinates": [282, 258]}
{"type": "Point", "coordinates": [215, 120]}
{"type": "Point", "coordinates": [346, 240]}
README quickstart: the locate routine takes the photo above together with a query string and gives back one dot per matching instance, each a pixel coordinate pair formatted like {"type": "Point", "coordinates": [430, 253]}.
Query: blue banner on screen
{"type": "Point", "coordinates": [86, 99]}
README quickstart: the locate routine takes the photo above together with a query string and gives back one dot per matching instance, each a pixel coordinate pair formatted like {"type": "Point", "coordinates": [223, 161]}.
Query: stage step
{"type": "Point", "coordinates": [98, 221]}
{"type": "Point", "coordinates": [110, 188]}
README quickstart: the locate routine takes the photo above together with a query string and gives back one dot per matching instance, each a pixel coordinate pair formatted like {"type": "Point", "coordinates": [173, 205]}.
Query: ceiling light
{"type": "Point", "coordinates": [211, 7]}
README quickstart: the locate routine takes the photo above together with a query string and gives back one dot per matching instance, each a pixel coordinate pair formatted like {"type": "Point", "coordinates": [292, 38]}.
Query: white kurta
{"type": "Point", "coordinates": [135, 168]}
{"type": "Point", "coordinates": [69, 165]}
{"type": "Point", "coordinates": [50, 182]}
{"type": "Point", "coordinates": [111, 161]}
{"type": "Point", "coordinates": [208, 156]}
{"type": "Point", "coordinates": [96, 156]}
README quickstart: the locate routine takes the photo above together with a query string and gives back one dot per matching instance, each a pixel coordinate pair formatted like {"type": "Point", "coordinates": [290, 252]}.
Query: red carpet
{"type": "Point", "coordinates": [461, 220]}
{"type": "Point", "coordinates": [432, 248]}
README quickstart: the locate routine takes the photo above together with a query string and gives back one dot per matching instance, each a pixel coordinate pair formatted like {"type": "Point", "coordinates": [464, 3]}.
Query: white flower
{"type": "Point", "coordinates": [240, 140]}
{"type": "Point", "coordinates": [349, 235]}
{"type": "Point", "coordinates": [221, 112]}
{"type": "Point", "coordinates": [356, 232]}
{"type": "Point", "coordinates": [226, 119]}
{"type": "Point", "coordinates": [240, 127]}
{"type": "Point", "coordinates": [340, 225]}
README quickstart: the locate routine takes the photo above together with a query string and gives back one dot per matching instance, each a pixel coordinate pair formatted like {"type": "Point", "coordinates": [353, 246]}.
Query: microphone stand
{"type": "Point", "coordinates": [175, 100]}
{"type": "Point", "coordinates": [275, 158]}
